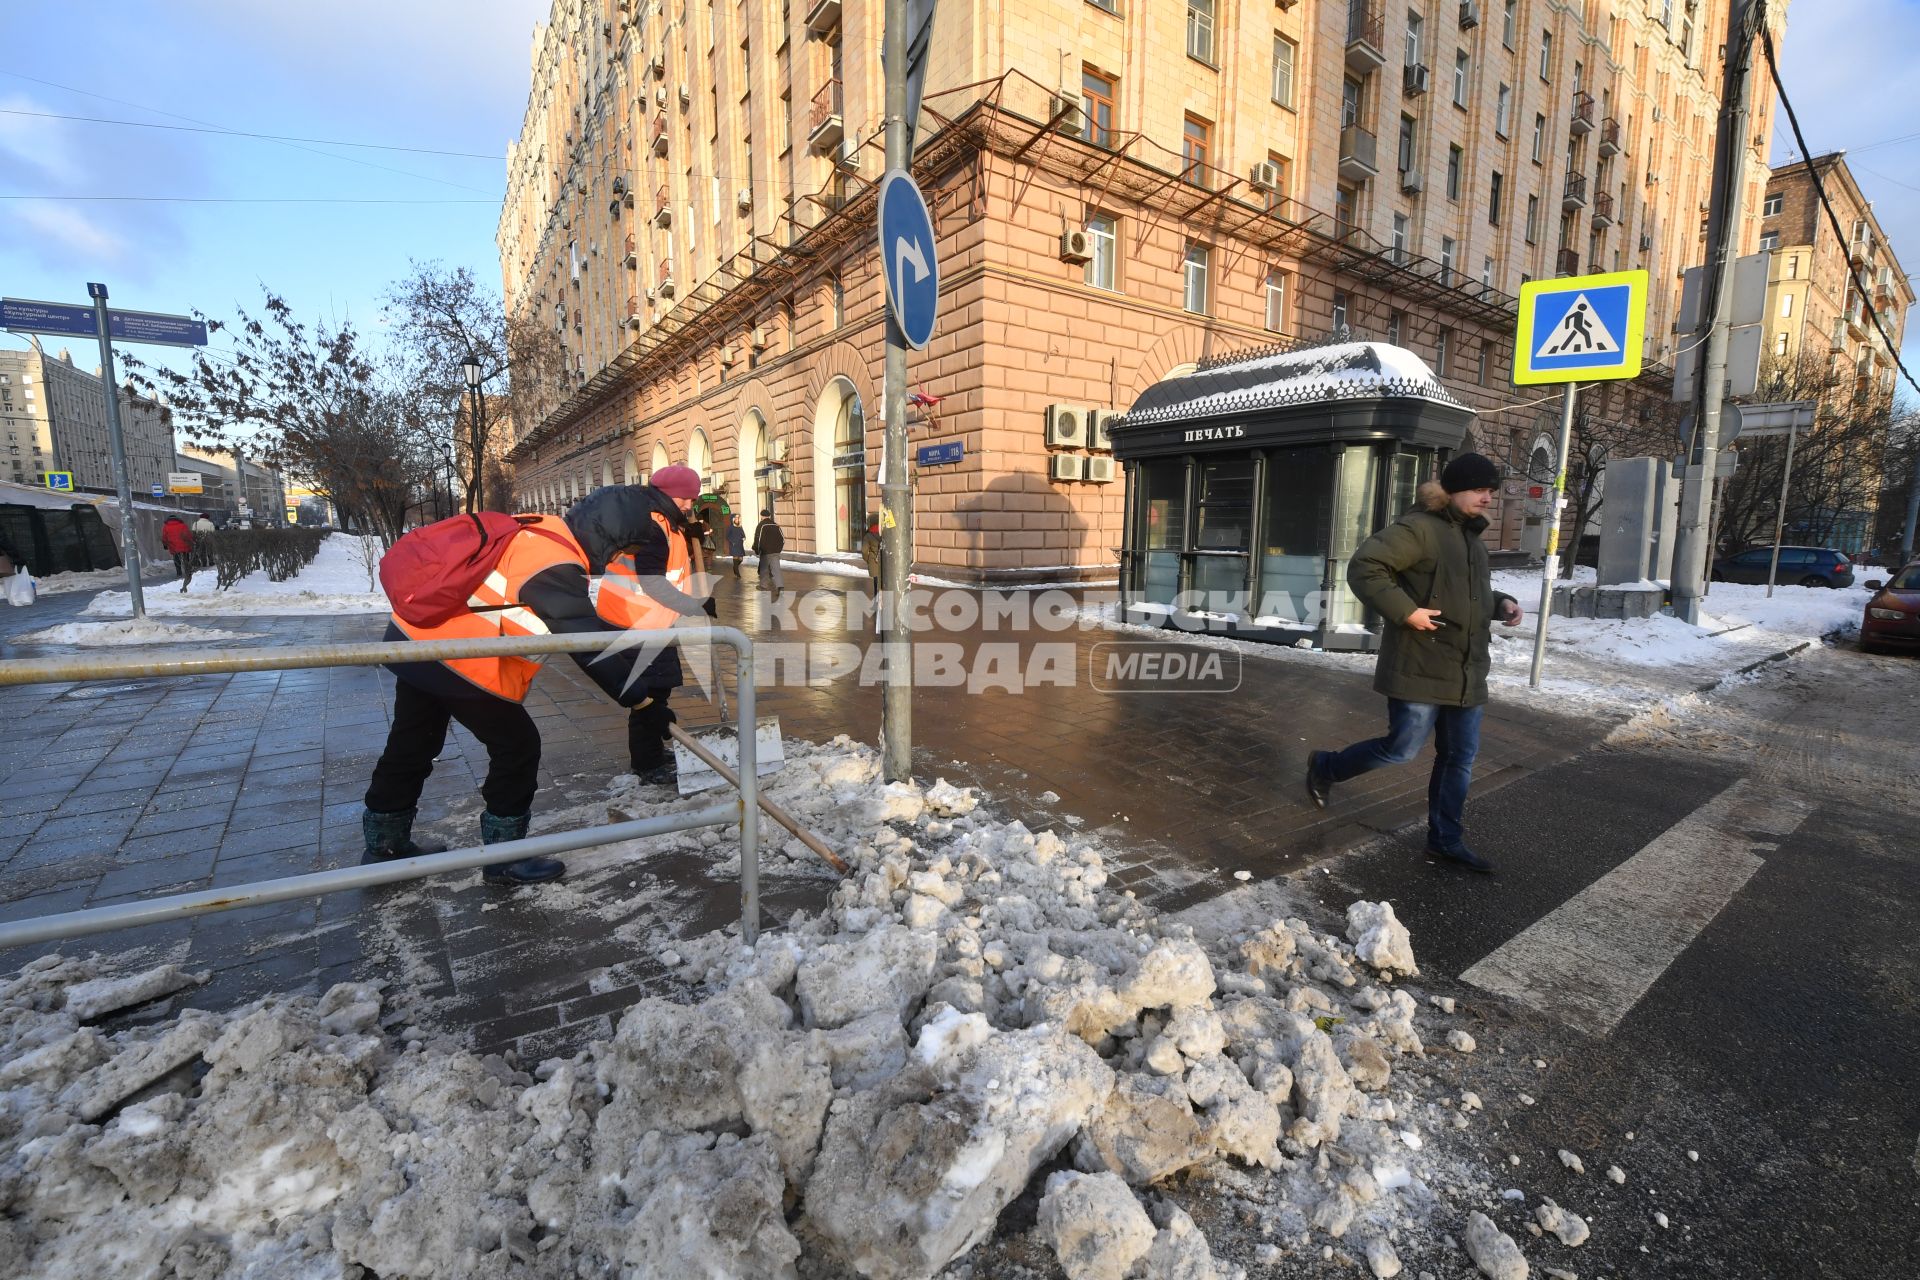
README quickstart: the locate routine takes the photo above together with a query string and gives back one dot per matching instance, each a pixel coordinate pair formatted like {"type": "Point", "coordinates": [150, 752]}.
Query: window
{"type": "Point", "coordinates": [1198, 263]}
{"type": "Point", "coordinates": [1339, 311]}
{"type": "Point", "coordinates": [1772, 204]}
{"type": "Point", "coordinates": [1533, 218]}
{"type": "Point", "coordinates": [1399, 237]}
{"type": "Point", "coordinates": [1414, 25]}
{"type": "Point", "coordinates": [1462, 66]}
{"type": "Point", "coordinates": [1097, 96]}
{"type": "Point", "coordinates": [1507, 18]}
{"type": "Point", "coordinates": [1786, 304]}
{"type": "Point", "coordinates": [1579, 76]}
{"type": "Point", "coordinates": [1539, 138]}
{"type": "Point", "coordinates": [1494, 194]}
{"type": "Point", "coordinates": [1793, 266]}
{"type": "Point", "coordinates": [1284, 56]}
{"type": "Point", "coordinates": [1454, 159]}
{"type": "Point", "coordinates": [1769, 240]}
{"type": "Point", "coordinates": [1409, 129]}
{"type": "Point", "coordinates": [839, 300]}
{"type": "Point", "coordinates": [1480, 373]}
{"type": "Point", "coordinates": [1779, 344]}
{"type": "Point", "coordinates": [1546, 55]}
{"type": "Point", "coordinates": [1395, 322]}
{"type": "Point", "coordinates": [1349, 102]}
{"type": "Point", "coordinates": [1200, 30]}
{"type": "Point", "coordinates": [850, 471]}
{"type": "Point", "coordinates": [1503, 111]}
{"type": "Point", "coordinates": [1195, 141]}
{"type": "Point", "coordinates": [1109, 6]}
{"type": "Point", "coordinates": [1442, 348]}
{"type": "Point", "coordinates": [1283, 179]}
{"type": "Point", "coordinates": [1447, 246]}
{"type": "Point", "coordinates": [1486, 282]}
{"type": "Point", "coordinates": [1276, 300]}
{"type": "Point", "coordinates": [1346, 211]}
{"type": "Point", "coordinates": [1104, 243]}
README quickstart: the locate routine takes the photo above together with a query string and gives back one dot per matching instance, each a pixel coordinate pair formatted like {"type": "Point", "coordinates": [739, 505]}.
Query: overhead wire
{"type": "Point", "coordinates": [242, 133]}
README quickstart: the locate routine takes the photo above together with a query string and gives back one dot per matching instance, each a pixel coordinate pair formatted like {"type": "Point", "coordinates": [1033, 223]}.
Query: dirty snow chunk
{"type": "Point", "coordinates": [1469, 1100]}
{"type": "Point", "coordinates": [945, 800]}
{"type": "Point", "coordinates": [1381, 1259]}
{"type": "Point", "coordinates": [1493, 1250]}
{"type": "Point", "coordinates": [1527, 1099]}
{"type": "Point", "coordinates": [1661, 1218]}
{"type": "Point", "coordinates": [716, 1214]}
{"type": "Point", "coordinates": [1411, 1138]}
{"type": "Point", "coordinates": [1460, 1041]}
{"type": "Point", "coordinates": [911, 1175]}
{"type": "Point", "coordinates": [1693, 1155]}
{"type": "Point", "coordinates": [1179, 1251]}
{"type": "Point", "coordinates": [1163, 1057]}
{"type": "Point", "coordinates": [887, 969]}
{"type": "Point", "coordinates": [1143, 1130]}
{"type": "Point", "coordinates": [1572, 1161]}
{"type": "Point", "coordinates": [950, 1032]}
{"type": "Point", "coordinates": [1321, 1091]}
{"type": "Point", "coordinates": [1197, 1031]}
{"type": "Point", "coordinates": [1094, 1225]}
{"type": "Point", "coordinates": [1173, 973]}
{"type": "Point", "coordinates": [133, 1069]}
{"type": "Point", "coordinates": [866, 1050]}
{"type": "Point", "coordinates": [1443, 1003]}
{"type": "Point", "coordinates": [921, 912]}
{"type": "Point", "coordinates": [1570, 1227]}
{"type": "Point", "coordinates": [1379, 939]}
{"type": "Point", "coordinates": [1269, 951]}
{"type": "Point", "coordinates": [1616, 1174]}
{"type": "Point", "coordinates": [99, 996]}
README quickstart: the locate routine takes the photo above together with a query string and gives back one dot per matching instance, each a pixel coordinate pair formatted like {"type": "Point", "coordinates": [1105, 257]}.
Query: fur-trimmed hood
{"type": "Point", "coordinates": [1431, 497]}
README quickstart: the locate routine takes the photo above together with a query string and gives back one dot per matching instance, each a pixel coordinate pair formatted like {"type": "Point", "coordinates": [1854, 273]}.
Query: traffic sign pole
{"type": "Point", "coordinates": [129, 534]}
{"type": "Point", "coordinates": [1780, 520]}
{"type": "Point", "coordinates": [1551, 570]}
{"type": "Point", "coordinates": [896, 494]}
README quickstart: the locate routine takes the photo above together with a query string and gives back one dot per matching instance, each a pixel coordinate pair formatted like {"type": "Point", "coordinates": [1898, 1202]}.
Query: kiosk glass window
{"type": "Point", "coordinates": [1163, 512]}
{"type": "Point", "coordinates": [1356, 515]}
{"type": "Point", "coordinates": [1224, 532]}
{"type": "Point", "coordinates": [1293, 552]}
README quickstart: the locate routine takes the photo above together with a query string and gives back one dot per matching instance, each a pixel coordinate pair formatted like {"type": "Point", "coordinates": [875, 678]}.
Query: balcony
{"type": "Point", "coordinates": [1602, 211]}
{"type": "Point", "coordinates": [630, 257]}
{"type": "Point", "coordinates": [1358, 151]}
{"type": "Point", "coordinates": [1582, 119]}
{"type": "Point", "coordinates": [657, 134]}
{"type": "Point", "coordinates": [1609, 137]}
{"type": "Point", "coordinates": [1366, 41]}
{"type": "Point", "coordinates": [1860, 251]}
{"type": "Point", "coordinates": [826, 127]}
{"type": "Point", "coordinates": [1839, 336]}
{"type": "Point", "coordinates": [662, 207]}
{"type": "Point", "coordinates": [634, 316]}
{"type": "Point", "coordinates": [1574, 195]}
{"type": "Point", "coordinates": [1566, 263]}
{"type": "Point", "coordinates": [823, 18]}
{"type": "Point", "coordinates": [1857, 321]}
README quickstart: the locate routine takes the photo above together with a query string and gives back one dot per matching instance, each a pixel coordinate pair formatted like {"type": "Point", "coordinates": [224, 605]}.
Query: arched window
{"type": "Point", "coordinates": [661, 460]}
{"type": "Point", "coordinates": [700, 455]}
{"type": "Point", "coordinates": [849, 471]}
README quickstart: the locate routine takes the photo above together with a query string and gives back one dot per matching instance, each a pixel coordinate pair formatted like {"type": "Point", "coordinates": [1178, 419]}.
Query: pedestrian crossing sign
{"type": "Point", "coordinates": [1581, 328]}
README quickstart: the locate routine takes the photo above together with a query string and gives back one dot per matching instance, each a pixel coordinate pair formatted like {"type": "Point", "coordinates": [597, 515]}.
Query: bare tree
{"type": "Point", "coordinates": [1613, 426]}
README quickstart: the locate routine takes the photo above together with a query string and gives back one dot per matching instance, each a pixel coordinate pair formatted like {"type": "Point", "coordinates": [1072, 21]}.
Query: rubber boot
{"type": "Point", "coordinates": [390, 835]}
{"type": "Point", "coordinates": [495, 829]}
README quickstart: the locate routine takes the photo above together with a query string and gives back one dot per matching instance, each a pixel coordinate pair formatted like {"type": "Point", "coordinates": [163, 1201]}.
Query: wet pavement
{"type": "Point", "coordinates": [116, 791]}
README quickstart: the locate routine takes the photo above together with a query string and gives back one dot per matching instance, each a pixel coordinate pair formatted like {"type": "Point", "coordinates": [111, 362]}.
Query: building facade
{"type": "Point", "coordinates": [56, 420]}
{"type": "Point", "coordinates": [1815, 302]}
{"type": "Point", "coordinates": [1120, 191]}
{"type": "Point", "coordinates": [234, 486]}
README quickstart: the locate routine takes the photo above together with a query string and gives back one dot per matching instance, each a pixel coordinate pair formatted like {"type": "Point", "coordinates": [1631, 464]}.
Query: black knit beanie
{"type": "Point", "coordinates": [1470, 471]}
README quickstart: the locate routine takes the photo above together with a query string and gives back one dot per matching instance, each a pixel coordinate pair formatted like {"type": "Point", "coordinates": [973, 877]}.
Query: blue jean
{"type": "Point", "coordinates": [1456, 735]}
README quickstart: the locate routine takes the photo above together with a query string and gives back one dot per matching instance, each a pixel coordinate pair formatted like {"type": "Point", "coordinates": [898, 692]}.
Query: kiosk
{"type": "Point", "coordinates": [1250, 481]}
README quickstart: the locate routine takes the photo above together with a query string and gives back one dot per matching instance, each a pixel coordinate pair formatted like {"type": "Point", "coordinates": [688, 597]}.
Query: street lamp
{"type": "Point", "coordinates": [446, 451]}
{"type": "Point", "coordinates": [470, 369]}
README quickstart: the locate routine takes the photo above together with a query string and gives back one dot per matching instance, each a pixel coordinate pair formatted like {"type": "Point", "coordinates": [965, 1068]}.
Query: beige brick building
{"type": "Point", "coordinates": [1119, 188]}
{"type": "Point", "coordinates": [1814, 305]}
{"type": "Point", "coordinates": [55, 418]}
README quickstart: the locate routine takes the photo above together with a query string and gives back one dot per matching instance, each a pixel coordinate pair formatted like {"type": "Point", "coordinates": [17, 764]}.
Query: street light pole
{"type": "Point", "coordinates": [129, 532]}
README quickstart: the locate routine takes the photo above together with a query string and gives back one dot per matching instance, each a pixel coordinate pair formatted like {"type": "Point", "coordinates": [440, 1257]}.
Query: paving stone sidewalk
{"type": "Point", "coordinates": [119, 790]}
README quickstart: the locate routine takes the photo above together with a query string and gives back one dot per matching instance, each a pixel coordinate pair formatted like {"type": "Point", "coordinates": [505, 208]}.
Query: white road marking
{"type": "Point", "coordinates": [1590, 960]}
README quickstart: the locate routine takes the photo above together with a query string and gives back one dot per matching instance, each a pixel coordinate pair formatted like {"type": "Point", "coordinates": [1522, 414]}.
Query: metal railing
{"type": "Point", "coordinates": [744, 809]}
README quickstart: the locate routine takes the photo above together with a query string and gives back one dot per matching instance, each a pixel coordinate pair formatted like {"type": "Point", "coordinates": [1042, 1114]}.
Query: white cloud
{"type": "Point", "coordinates": [70, 230]}
{"type": "Point", "coordinates": [40, 144]}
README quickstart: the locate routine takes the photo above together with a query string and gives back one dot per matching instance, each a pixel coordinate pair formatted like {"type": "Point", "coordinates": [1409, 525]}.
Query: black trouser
{"type": "Point", "coordinates": [419, 732]}
{"type": "Point", "coordinates": [183, 565]}
{"type": "Point", "coordinates": [647, 732]}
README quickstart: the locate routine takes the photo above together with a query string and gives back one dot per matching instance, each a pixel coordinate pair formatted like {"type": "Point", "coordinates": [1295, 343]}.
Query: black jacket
{"type": "Point", "coordinates": [768, 540]}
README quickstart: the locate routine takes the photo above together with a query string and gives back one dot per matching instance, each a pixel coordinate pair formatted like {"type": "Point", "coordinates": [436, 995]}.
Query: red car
{"type": "Point", "coordinates": [1893, 615]}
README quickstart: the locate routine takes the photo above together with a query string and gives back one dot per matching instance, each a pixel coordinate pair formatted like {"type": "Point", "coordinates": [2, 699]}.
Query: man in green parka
{"type": "Point", "coordinates": [1427, 575]}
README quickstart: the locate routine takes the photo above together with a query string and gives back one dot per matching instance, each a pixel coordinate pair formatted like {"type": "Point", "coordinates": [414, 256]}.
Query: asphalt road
{"type": "Point", "coordinates": [1708, 935]}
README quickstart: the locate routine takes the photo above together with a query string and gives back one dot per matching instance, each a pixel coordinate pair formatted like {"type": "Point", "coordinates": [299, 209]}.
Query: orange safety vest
{"type": "Point", "coordinates": [497, 610]}
{"type": "Point", "coordinates": [624, 604]}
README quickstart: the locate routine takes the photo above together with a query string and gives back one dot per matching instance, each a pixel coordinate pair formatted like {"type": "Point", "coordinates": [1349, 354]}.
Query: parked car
{"type": "Point", "coordinates": [1892, 619]}
{"type": "Point", "coordinates": [1804, 566]}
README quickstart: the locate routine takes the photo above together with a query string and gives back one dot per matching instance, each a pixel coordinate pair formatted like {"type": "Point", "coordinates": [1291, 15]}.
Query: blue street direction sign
{"type": "Point", "coordinates": [934, 455]}
{"type": "Point", "coordinates": [65, 319]}
{"type": "Point", "coordinates": [62, 481]}
{"type": "Point", "coordinates": [1581, 328]}
{"type": "Point", "coordinates": [908, 258]}
{"type": "Point", "coordinates": [159, 491]}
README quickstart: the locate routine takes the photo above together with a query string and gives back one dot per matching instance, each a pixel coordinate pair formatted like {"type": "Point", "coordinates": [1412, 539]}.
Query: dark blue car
{"type": "Point", "coordinates": [1802, 566]}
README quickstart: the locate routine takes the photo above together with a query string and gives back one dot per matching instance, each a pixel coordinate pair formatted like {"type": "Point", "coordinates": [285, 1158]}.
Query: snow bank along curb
{"type": "Point", "coordinates": [867, 1090]}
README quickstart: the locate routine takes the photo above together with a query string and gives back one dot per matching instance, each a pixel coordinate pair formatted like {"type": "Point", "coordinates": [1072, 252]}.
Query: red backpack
{"type": "Point", "coordinates": [431, 573]}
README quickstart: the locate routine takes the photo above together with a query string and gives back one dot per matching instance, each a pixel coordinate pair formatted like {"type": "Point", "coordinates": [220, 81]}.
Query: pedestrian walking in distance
{"type": "Point", "coordinates": [768, 543]}
{"type": "Point", "coordinates": [1427, 575]}
{"type": "Point", "coordinates": [178, 540]}
{"type": "Point", "coordinates": [736, 543]}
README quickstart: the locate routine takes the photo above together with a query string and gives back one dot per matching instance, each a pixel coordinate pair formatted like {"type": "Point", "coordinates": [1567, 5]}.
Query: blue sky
{"type": "Point", "coordinates": [451, 75]}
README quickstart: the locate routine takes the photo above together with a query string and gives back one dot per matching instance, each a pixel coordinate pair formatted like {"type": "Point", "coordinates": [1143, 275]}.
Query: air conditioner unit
{"type": "Point", "coordinates": [1066, 426]}
{"type": "Point", "coordinates": [1416, 80]}
{"type": "Point", "coordinates": [729, 355]}
{"type": "Point", "coordinates": [744, 200]}
{"type": "Point", "coordinates": [619, 186]}
{"type": "Point", "coordinates": [777, 450]}
{"type": "Point", "coordinates": [1099, 470]}
{"type": "Point", "coordinates": [1469, 14]}
{"type": "Point", "coordinates": [717, 482]}
{"type": "Point", "coordinates": [686, 95]}
{"type": "Point", "coordinates": [1413, 182]}
{"type": "Point", "coordinates": [848, 157]}
{"type": "Point", "coordinates": [1265, 176]}
{"type": "Point", "coordinates": [660, 95]}
{"type": "Point", "coordinates": [1067, 466]}
{"type": "Point", "coordinates": [1656, 115]}
{"type": "Point", "coordinates": [635, 320]}
{"type": "Point", "coordinates": [1099, 422]}
{"type": "Point", "coordinates": [1646, 242]}
{"type": "Point", "coordinates": [658, 63]}
{"type": "Point", "coordinates": [1068, 115]}
{"type": "Point", "coordinates": [758, 338]}
{"type": "Point", "coordinates": [1076, 245]}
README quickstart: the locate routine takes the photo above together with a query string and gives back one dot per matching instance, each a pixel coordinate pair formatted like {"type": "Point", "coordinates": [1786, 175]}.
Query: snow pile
{"type": "Point", "coordinates": [100, 635]}
{"type": "Point", "coordinates": [335, 582]}
{"type": "Point", "coordinates": [94, 579]}
{"type": "Point", "coordinates": [866, 1091]}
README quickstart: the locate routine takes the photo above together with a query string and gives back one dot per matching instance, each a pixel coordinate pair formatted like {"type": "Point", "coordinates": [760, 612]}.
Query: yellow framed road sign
{"type": "Point", "coordinates": [60, 481]}
{"type": "Point", "coordinates": [1581, 328]}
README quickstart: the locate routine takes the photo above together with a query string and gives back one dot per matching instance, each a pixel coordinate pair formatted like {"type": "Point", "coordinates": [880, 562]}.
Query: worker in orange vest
{"type": "Point", "coordinates": [539, 586]}
{"type": "Point", "coordinates": [641, 534]}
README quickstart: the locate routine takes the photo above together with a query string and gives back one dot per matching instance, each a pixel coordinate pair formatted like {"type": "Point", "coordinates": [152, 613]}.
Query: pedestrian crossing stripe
{"type": "Point", "coordinates": [1580, 329]}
